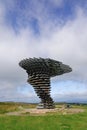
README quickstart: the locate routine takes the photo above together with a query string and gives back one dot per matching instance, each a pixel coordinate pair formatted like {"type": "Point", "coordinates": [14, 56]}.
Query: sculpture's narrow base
{"type": "Point", "coordinates": [41, 84]}
{"type": "Point", "coordinates": [42, 106]}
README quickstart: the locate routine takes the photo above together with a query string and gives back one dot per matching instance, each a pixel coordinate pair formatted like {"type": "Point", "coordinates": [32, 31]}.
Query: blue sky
{"type": "Point", "coordinates": [43, 28]}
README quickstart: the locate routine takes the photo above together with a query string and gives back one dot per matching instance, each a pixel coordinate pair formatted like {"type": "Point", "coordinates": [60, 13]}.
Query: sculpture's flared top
{"type": "Point", "coordinates": [41, 65]}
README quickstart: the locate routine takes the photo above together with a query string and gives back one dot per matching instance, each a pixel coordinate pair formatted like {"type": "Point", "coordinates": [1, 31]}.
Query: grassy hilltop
{"type": "Point", "coordinates": [49, 121]}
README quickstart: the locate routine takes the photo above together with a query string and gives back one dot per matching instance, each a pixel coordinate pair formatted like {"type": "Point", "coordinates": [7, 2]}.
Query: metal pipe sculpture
{"type": "Point", "coordinates": [40, 71]}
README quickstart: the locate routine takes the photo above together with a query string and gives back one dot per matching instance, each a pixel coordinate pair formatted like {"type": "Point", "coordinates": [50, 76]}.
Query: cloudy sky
{"type": "Point", "coordinates": [54, 29]}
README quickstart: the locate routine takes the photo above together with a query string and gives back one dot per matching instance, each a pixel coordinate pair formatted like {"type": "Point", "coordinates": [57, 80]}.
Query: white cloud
{"type": "Point", "coordinates": [67, 43]}
{"type": "Point", "coordinates": [57, 3]}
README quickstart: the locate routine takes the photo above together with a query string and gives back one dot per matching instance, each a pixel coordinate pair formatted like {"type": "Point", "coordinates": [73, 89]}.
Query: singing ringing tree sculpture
{"type": "Point", "coordinates": [40, 71]}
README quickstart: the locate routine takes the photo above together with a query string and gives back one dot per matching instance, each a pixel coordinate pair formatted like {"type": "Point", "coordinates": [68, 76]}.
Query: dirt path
{"type": "Point", "coordinates": [44, 111]}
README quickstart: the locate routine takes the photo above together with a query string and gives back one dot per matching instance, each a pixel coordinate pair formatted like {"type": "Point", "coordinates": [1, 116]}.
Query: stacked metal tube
{"type": "Point", "coordinates": [41, 84]}
{"type": "Point", "coordinates": [39, 73]}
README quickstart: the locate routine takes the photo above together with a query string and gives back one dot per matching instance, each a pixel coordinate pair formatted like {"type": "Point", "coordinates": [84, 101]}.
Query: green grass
{"type": "Point", "coordinates": [45, 122]}
{"type": "Point", "coordinates": [5, 107]}
{"type": "Point", "coordinates": [9, 107]}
